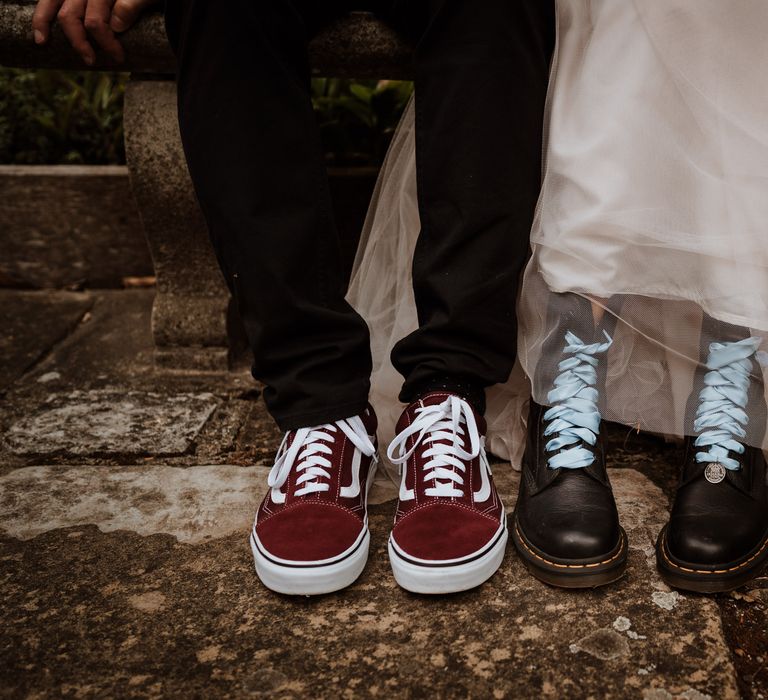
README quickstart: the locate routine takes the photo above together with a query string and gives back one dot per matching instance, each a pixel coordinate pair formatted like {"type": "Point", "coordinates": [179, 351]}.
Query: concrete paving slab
{"type": "Point", "coordinates": [91, 612]}
{"type": "Point", "coordinates": [111, 350]}
{"type": "Point", "coordinates": [194, 504]}
{"type": "Point", "coordinates": [113, 347]}
{"type": "Point", "coordinates": [113, 344]}
{"type": "Point", "coordinates": [110, 422]}
{"type": "Point", "coordinates": [32, 323]}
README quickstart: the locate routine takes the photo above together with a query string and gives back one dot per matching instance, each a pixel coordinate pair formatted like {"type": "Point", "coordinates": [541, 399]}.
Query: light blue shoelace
{"type": "Point", "coordinates": [574, 413]}
{"type": "Point", "coordinates": [720, 416]}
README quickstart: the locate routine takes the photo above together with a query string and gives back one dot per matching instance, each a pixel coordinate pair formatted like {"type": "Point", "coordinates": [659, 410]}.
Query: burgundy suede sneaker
{"type": "Point", "coordinates": [450, 528]}
{"type": "Point", "coordinates": [311, 530]}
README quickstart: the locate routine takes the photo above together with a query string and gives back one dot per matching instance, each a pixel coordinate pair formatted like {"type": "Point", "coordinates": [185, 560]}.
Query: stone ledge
{"type": "Point", "coordinates": [87, 231]}
{"type": "Point", "coordinates": [511, 637]}
{"type": "Point", "coordinates": [357, 46]}
{"type": "Point", "coordinates": [117, 422]}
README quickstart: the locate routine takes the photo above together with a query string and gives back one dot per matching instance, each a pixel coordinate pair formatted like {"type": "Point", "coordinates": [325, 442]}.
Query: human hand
{"type": "Point", "coordinates": [81, 20]}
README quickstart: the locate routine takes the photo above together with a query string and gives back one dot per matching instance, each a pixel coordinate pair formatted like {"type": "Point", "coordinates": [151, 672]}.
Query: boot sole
{"type": "Point", "coordinates": [572, 573]}
{"type": "Point", "coordinates": [436, 577]}
{"type": "Point", "coordinates": [717, 579]}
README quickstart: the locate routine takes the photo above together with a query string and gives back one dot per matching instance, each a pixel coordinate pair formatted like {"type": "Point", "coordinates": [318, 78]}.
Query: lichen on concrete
{"type": "Point", "coordinates": [87, 422]}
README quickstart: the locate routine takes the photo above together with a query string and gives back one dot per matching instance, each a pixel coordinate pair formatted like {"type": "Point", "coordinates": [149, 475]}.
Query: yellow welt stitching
{"type": "Point", "coordinates": [706, 571]}
{"type": "Point", "coordinates": [569, 566]}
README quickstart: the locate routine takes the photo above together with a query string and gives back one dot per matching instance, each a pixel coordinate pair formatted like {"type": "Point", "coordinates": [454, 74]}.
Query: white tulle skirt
{"type": "Point", "coordinates": [655, 194]}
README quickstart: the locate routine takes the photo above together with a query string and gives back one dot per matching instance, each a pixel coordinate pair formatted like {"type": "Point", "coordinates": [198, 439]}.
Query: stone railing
{"type": "Point", "coordinates": [192, 319]}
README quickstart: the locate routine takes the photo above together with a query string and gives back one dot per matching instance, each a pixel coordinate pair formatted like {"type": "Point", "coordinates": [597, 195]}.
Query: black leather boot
{"type": "Point", "coordinates": [717, 535]}
{"type": "Point", "coordinates": [566, 527]}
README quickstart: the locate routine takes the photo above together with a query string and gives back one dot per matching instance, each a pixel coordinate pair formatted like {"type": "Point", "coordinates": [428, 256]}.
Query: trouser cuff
{"type": "Point", "coordinates": [321, 416]}
{"type": "Point", "coordinates": [468, 390]}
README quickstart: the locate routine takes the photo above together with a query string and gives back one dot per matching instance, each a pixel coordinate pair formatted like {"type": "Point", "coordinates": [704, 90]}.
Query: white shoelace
{"type": "Point", "coordinates": [439, 430]}
{"type": "Point", "coordinates": [306, 454]}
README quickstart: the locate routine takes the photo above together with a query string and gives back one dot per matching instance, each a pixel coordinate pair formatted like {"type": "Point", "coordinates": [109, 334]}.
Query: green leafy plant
{"type": "Point", "coordinates": [357, 118]}
{"type": "Point", "coordinates": [50, 117]}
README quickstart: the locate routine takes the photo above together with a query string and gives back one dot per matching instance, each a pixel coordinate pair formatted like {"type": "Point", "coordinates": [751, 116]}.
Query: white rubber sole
{"type": "Point", "coordinates": [451, 576]}
{"type": "Point", "coordinates": [315, 577]}
{"type": "Point", "coordinates": [311, 578]}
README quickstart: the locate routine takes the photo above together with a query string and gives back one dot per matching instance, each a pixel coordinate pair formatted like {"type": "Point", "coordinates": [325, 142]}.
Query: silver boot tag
{"type": "Point", "coordinates": [714, 473]}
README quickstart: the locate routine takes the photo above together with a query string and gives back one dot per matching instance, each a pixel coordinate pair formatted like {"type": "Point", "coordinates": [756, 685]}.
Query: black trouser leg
{"type": "Point", "coordinates": [255, 158]}
{"type": "Point", "coordinates": [481, 79]}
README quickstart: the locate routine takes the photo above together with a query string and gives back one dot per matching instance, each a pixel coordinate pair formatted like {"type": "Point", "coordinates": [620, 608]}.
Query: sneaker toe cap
{"type": "Point", "coordinates": [443, 531]}
{"type": "Point", "coordinates": [309, 532]}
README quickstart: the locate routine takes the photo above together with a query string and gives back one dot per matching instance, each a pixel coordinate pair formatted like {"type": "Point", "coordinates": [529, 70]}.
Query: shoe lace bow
{"type": "Point", "coordinates": [440, 430]}
{"type": "Point", "coordinates": [308, 454]}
